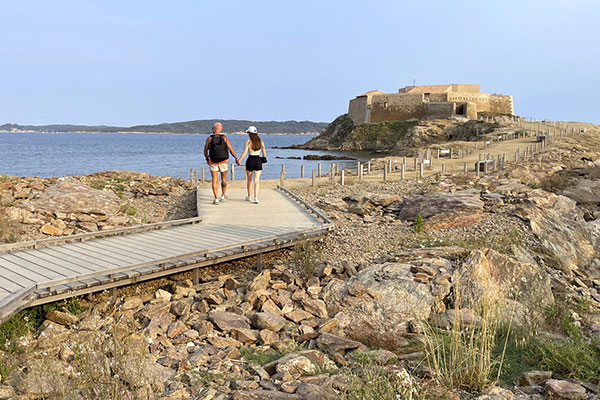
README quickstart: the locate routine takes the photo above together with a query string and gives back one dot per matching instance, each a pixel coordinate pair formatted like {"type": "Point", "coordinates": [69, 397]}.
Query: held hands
{"type": "Point", "coordinates": [237, 161]}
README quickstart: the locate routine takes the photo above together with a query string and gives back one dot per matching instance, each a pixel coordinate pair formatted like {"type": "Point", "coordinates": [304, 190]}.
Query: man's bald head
{"type": "Point", "coordinates": [217, 127]}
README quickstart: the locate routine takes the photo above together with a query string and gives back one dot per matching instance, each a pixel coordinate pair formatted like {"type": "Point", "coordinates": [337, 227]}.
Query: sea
{"type": "Point", "coordinates": [66, 154]}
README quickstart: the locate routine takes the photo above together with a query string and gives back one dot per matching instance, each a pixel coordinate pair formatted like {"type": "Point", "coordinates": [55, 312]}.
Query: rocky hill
{"type": "Point", "coordinates": [397, 137]}
{"type": "Point", "coordinates": [197, 126]}
{"type": "Point", "coordinates": [451, 286]}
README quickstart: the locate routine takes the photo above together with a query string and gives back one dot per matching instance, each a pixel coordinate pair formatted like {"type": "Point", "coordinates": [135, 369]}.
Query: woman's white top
{"type": "Point", "coordinates": [254, 152]}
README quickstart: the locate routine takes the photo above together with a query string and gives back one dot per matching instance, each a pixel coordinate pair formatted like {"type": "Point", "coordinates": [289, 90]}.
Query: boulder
{"type": "Point", "coordinates": [60, 317]}
{"type": "Point", "coordinates": [268, 321]}
{"type": "Point", "coordinates": [488, 277]}
{"type": "Point", "coordinates": [69, 195]}
{"type": "Point", "coordinates": [261, 281]}
{"type": "Point", "coordinates": [560, 228]}
{"type": "Point", "coordinates": [226, 321]}
{"type": "Point", "coordinates": [564, 390]}
{"type": "Point", "coordinates": [467, 201]}
{"type": "Point", "coordinates": [380, 318]}
{"type": "Point", "coordinates": [535, 378]}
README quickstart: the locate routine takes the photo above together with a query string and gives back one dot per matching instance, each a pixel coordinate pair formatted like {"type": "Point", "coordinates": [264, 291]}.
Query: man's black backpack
{"type": "Point", "coordinates": [218, 150]}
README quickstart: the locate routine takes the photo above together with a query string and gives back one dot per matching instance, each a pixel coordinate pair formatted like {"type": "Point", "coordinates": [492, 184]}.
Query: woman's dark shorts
{"type": "Point", "coordinates": [253, 163]}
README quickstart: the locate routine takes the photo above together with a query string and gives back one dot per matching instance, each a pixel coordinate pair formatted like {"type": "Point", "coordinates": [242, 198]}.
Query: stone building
{"type": "Point", "coordinates": [427, 102]}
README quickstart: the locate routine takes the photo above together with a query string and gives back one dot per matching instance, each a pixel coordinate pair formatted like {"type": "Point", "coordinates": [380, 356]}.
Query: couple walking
{"type": "Point", "coordinates": [216, 152]}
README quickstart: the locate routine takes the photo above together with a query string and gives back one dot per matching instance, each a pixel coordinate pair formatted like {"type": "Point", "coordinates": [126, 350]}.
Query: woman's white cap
{"type": "Point", "coordinates": [251, 129]}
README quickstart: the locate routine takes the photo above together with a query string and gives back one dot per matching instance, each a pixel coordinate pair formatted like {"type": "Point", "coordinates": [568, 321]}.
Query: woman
{"type": "Point", "coordinates": [254, 163]}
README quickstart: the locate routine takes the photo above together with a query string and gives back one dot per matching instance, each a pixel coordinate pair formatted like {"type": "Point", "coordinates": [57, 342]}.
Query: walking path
{"type": "Point", "coordinates": [231, 230]}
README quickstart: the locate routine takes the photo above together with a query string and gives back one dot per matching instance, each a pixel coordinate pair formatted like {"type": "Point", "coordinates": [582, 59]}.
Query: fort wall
{"type": "Point", "coordinates": [357, 109]}
{"type": "Point", "coordinates": [438, 110]}
{"type": "Point", "coordinates": [389, 107]}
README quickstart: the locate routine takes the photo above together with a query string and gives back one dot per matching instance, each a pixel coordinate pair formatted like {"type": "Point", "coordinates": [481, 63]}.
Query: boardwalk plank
{"type": "Point", "coordinates": [104, 252]}
{"type": "Point", "coordinates": [128, 249]}
{"type": "Point", "coordinates": [29, 261]}
{"type": "Point", "coordinates": [90, 253]}
{"type": "Point", "coordinates": [159, 249]}
{"type": "Point", "coordinates": [30, 274]}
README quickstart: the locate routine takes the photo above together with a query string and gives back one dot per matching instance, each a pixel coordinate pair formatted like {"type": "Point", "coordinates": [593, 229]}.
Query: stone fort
{"type": "Point", "coordinates": [427, 102]}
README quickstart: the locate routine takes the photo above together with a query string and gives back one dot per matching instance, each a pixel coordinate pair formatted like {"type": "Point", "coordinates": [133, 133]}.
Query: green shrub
{"type": "Point", "coordinates": [418, 225]}
{"type": "Point", "coordinates": [131, 211]}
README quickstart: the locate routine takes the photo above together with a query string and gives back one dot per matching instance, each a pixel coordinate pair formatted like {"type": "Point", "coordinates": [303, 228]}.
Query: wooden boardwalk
{"type": "Point", "coordinates": [49, 270]}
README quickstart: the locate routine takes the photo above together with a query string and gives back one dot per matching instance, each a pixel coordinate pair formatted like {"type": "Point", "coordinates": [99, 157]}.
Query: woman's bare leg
{"type": "Point", "coordinates": [256, 183]}
{"type": "Point", "coordinates": [249, 183]}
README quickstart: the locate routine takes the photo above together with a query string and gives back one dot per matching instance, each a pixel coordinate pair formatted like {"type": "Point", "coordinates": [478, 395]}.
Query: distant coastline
{"type": "Point", "coordinates": [164, 133]}
{"type": "Point", "coordinates": [187, 127]}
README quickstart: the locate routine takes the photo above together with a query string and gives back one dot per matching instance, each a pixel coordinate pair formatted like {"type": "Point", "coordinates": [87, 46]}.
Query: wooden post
{"type": "Point", "coordinates": [369, 167]}
{"type": "Point", "coordinates": [259, 262]}
{"type": "Point", "coordinates": [337, 168]}
{"type": "Point", "coordinates": [302, 171]}
{"type": "Point", "coordinates": [202, 174]}
{"type": "Point", "coordinates": [281, 178]}
{"type": "Point", "coordinates": [283, 168]}
{"type": "Point", "coordinates": [330, 173]}
{"type": "Point", "coordinates": [196, 276]}
{"type": "Point", "coordinates": [191, 176]}
{"type": "Point", "coordinates": [443, 168]}
{"type": "Point", "coordinates": [342, 177]}
{"type": "Point", "coordinates": [319, 170]}
{"type": "Point", "coordinates": [359, 171]}
{"type": "Point", "coordinates": [402, 171]}
{"type": "Point", "coordinates": [438, 153]}
{"type": "Point", "coordinates": [466, 169]}
{"type": "Point", "coordinates": [415, 164]}
{"type": "Point", "coordinates": [389, 166]}
{"type": "Point", "coordinates": [477, 166]}
{"type": "Point", "coordinates": [384, 173]}
{"type": "Point", "coordinates": [195, 178]}
{"type": "Point", "coordinates": [420, 170]}
{"type": "Point", "coordinates": [314, 178]}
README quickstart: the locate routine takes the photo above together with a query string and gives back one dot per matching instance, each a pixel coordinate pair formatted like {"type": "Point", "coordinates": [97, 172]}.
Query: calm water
{"type": "Point", "coordinates": [61, 154]}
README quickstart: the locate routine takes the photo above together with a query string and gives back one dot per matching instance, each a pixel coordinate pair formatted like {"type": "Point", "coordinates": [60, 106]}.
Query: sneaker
{"type": "Point", "coordinates": [248, 198]}
{"type": "Point", "coordinates": [223, 198]}
{"type": "Point", "coordinates": [256, 201]}
{"type": "Point", "coordinates": [216, 202]}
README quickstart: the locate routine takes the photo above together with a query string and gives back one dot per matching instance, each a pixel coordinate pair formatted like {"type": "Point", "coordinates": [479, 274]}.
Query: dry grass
{"type": "Point", "coordinates": [461, 356]}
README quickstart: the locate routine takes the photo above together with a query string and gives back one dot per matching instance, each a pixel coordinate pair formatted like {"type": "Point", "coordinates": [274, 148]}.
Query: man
{"type": "Point", "coordinates": [216, 152]}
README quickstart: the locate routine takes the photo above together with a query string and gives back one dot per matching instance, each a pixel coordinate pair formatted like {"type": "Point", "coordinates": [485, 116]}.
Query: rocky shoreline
{"type": "Point", "coordinates": [327, 320]}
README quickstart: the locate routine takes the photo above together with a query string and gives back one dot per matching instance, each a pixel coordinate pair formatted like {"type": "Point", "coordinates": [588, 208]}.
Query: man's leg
{"type": "Point", "coordinates": [215, 180]}
{"type": "Point", "coordinates": [223, 182]}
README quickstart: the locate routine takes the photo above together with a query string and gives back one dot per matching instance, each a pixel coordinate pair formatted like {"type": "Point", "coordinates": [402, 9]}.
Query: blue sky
{"type": "Point", "coordinates": [143, 62]}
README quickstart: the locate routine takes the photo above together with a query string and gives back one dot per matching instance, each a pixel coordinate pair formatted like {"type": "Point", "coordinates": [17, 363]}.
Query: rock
{"type": "Point", "coordinates": [558, 224]}
{"type": "Point", "coordinates": [7, 392]}
{"type": "Point", "coordinates": [226, 321]}
{"type": "Point", "coordinates": [270, 307]}
{"type": "Point", "coordinates": [356, 288]}
{"type": "Point", "coordinates": [71, 196]}
{"type": "Point", "coordinates": [60, 317]}
{"type": "Point", "coordinates": [268, 321]}
{"type": "Point", "coordinates": [315, 306]}
{"type": "Point", "coordinates": [381, 318]}
{"type": "Point", "coordinates": [535, 378]}
{"type": "Point", "coordinates": [132, 303]}
{"type": "Point", "coordinates": [136, 370]}
{"type": "Point", "coordinates": [497, 393]}
{"type": "Point", "coordinates": [564, 390]}
{"type": "Point", "coordinates": [298, 315]}
{"type": "Point", "coordinates": [489, 276]}
{"type": "Point", "coordinates": [335, 344]}
{"type": "Point", "coordinates": [203, 327]}
{"type": "Point", "coordinates": [221, 342]}
{"type": "Point", "coordinates": [334, 204]}
{"type": "Point", "coordinates": [245, 335]}
{"type": "Point", "coordinates": [467, 202]}
{"type": "Point", "coordinates": [41, 380]}
{"type": "Point", "coordinates": [163, 295]}
{"type": "Point", "coordinates": [50, 230]}
{"type": "Point", "coordinates": [51, 334]}
{"type": "Point", "coordinates": [181, 309]}
{"type": "Point", "coordinates": [296, 366]}
{"type": "Point", "coordinates": [267, 337]}
{"type": "Point", "coordinates": [261, 281]}
{"type": "Point", "coordinates": [175, 329]}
